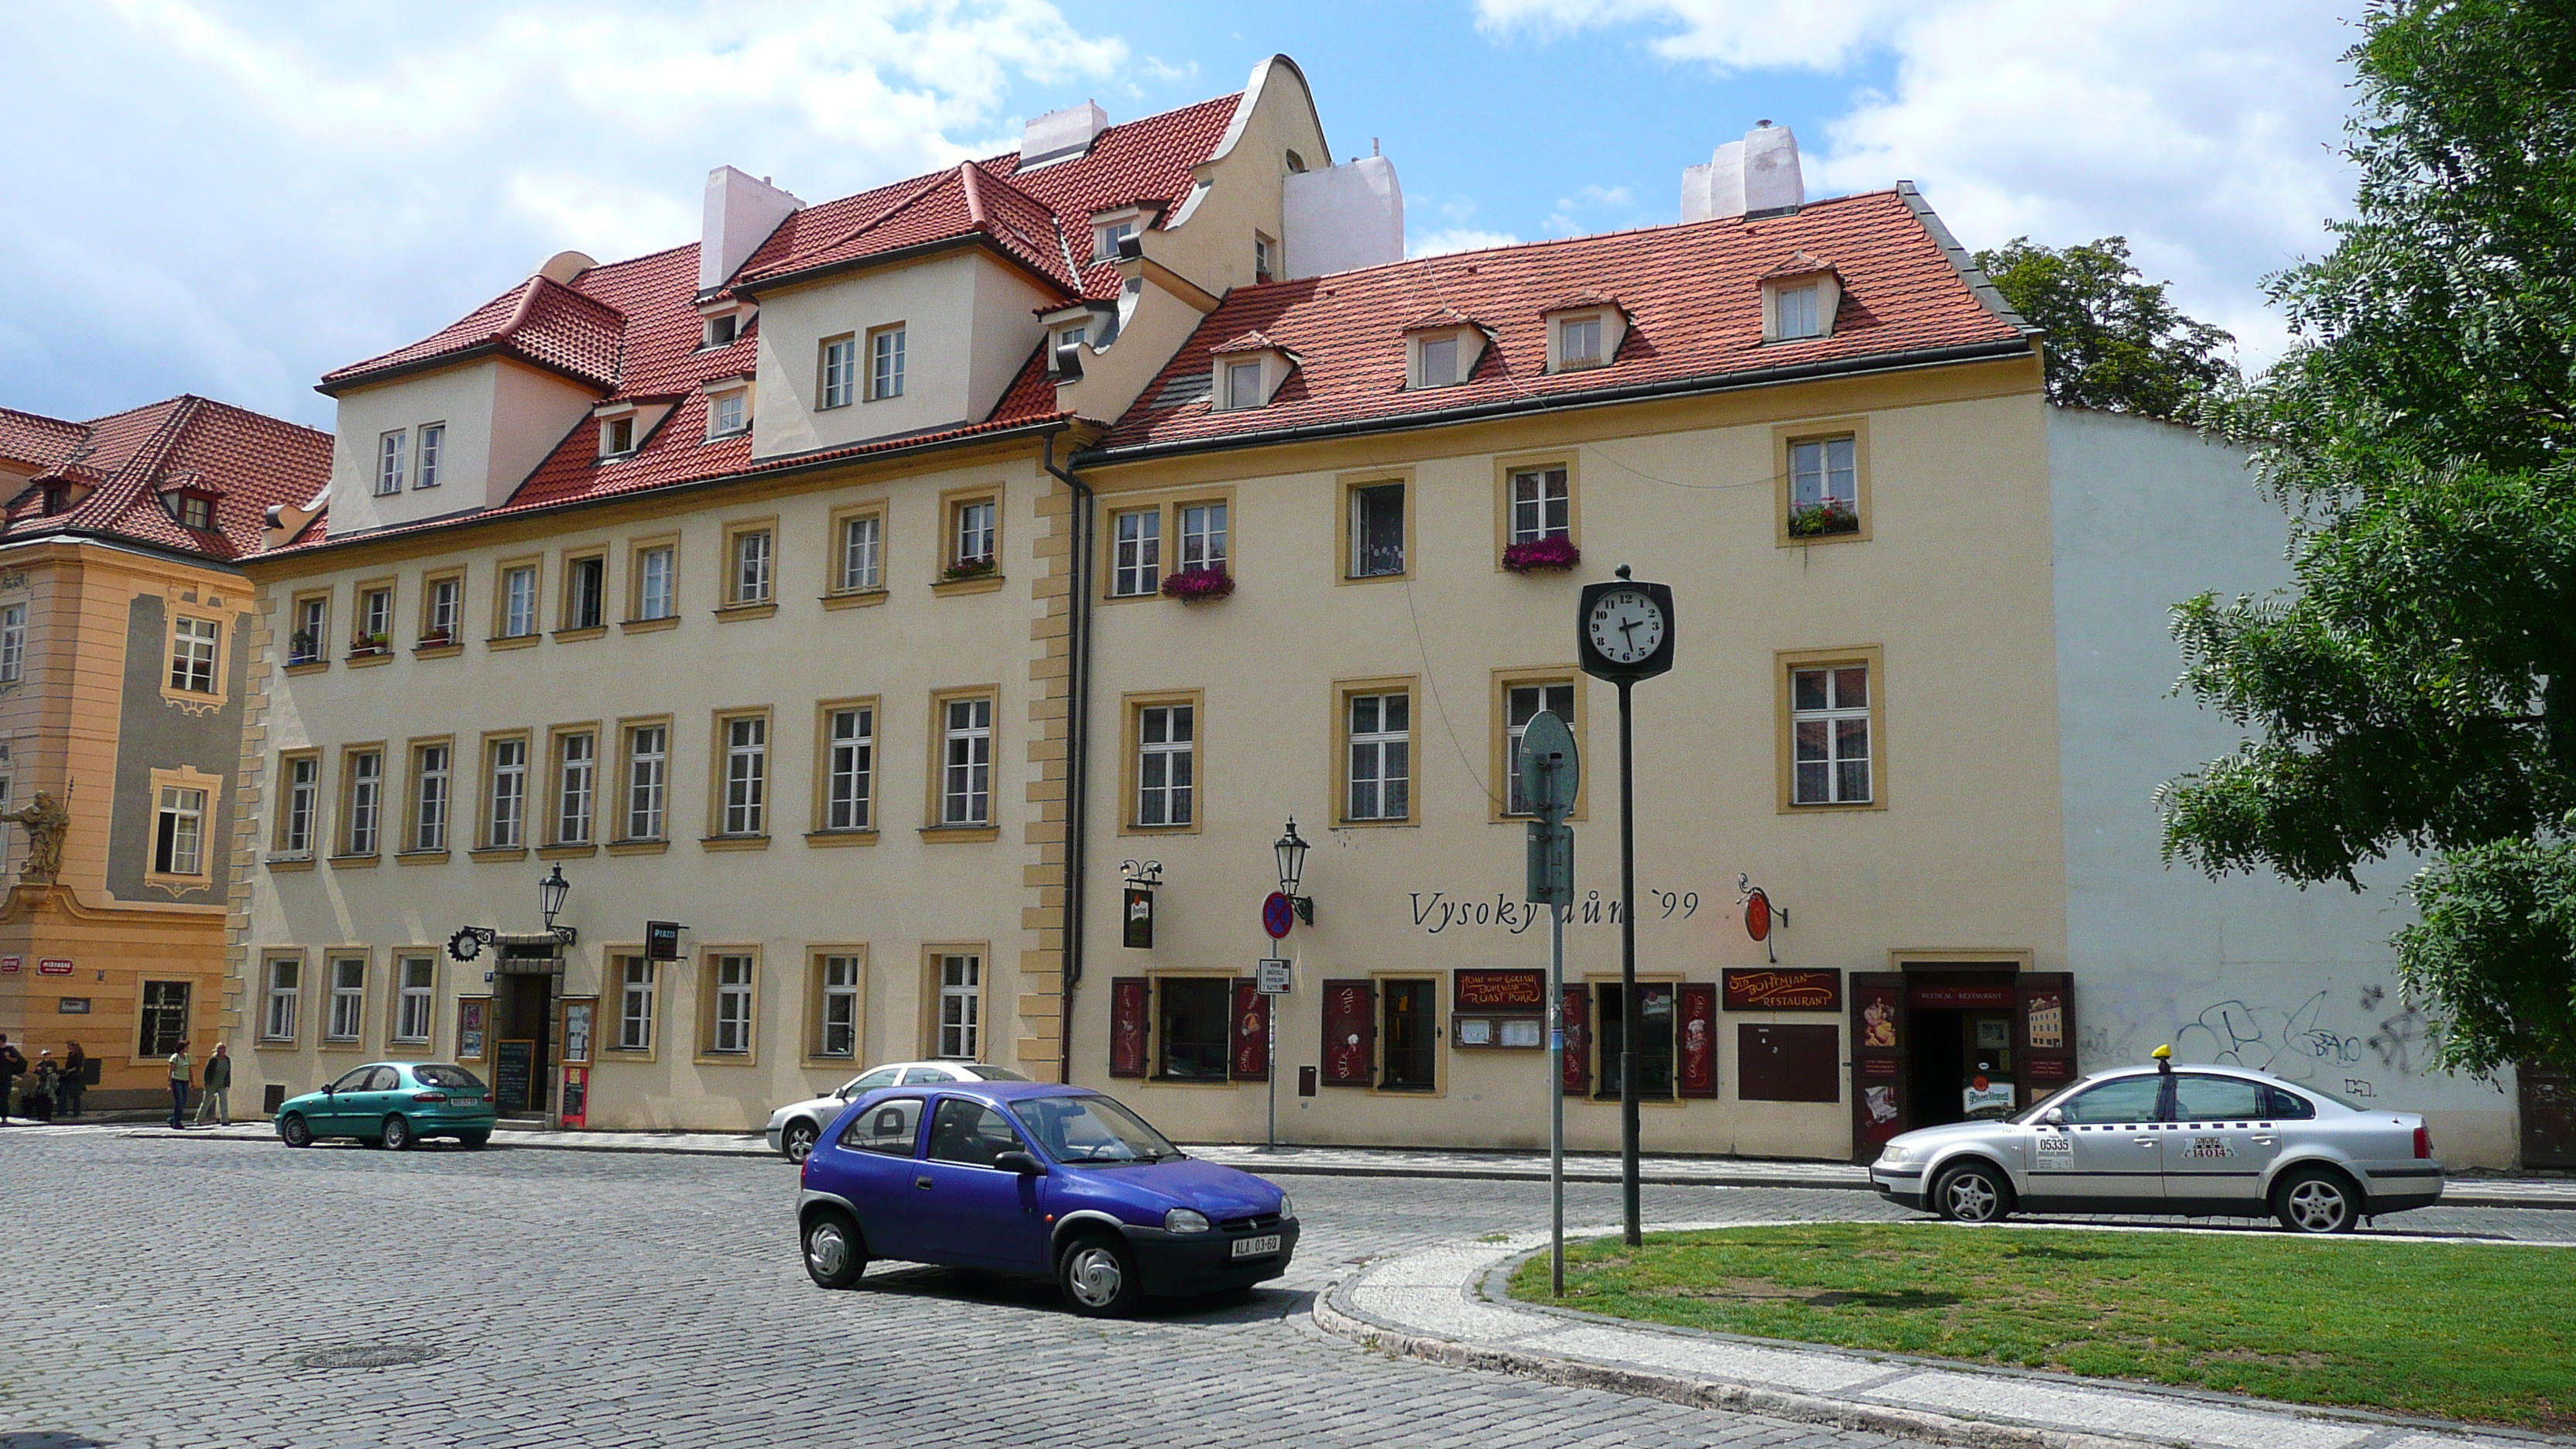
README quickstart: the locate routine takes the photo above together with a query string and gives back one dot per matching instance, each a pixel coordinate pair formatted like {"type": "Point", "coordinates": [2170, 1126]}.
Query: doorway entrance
{"type": "Point", "coordinates": [1938, 1042]}
{"type": "Point", "coordinates": [2548, 1115]}
{"type": "Point", "coordinates": [523, 1008]}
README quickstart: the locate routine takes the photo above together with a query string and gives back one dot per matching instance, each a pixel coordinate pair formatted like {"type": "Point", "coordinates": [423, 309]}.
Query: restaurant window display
{"type": "Point", "coordinates": [1189, 1029]}
{"type": "Point", "coordinates": [1656, 1040]}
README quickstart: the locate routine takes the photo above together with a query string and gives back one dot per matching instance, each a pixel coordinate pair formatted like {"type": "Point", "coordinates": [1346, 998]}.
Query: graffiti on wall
{"type": "Point", "coordinates": [2355, 1050]}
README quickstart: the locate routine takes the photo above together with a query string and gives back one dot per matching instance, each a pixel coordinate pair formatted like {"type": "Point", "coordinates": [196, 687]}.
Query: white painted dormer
{"type": "Point", "coordinates": [1584, 332]}
{"type": "Point", "coordinates": [722, 323]}
{"type": "Point", "coordinates": [1799, 299]}
{"type": "Point", "coordinates": [1248, 373]}
{"type": "Point", "coordinates": [728, 405]}
{"type": "Point", "coordinates": [625, 425]}
{"type": "Point", "coordinates": [1108, 228]}
{"type": "Point", "coordinates": [1441, 352]}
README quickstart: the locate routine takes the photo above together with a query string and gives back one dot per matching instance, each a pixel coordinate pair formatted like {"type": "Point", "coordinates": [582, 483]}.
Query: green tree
{"type": "Point", "coordinates": [2113, 340]}
{"type": "Point", "coordinates": [2418, 685]}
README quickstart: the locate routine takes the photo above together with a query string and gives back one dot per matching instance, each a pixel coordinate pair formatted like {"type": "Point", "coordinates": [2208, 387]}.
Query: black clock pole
{"type": "Point", "coordinates": [1631, 1018]}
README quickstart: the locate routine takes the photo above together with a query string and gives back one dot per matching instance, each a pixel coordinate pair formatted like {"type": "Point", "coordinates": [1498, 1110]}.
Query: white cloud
{"type": "Point", "coordinates": [2205, 132]}
{"type": "Point", "coordinates": [235, 196]}
{"type": "Point", "coordinates": [1457, 239]}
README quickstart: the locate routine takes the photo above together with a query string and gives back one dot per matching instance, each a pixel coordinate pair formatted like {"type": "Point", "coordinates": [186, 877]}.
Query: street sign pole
{"type": "Point", "coordinates": [1631, 1017]}
{"type": "Point", "coordinates": [1556, 1098]}
{"type": "Point", "coordinates": [1550, 773]}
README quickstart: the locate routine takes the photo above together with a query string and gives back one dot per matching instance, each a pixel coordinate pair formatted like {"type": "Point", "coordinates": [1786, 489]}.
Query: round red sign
{"type": "Point", "coordinates": [1757, 915]}
{"type": "Point", "coordinates": [1276, 914]}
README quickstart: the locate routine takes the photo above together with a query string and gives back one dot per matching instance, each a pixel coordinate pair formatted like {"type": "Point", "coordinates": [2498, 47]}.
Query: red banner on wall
{"type": "Point", "coordinates": [1695, 1040]}
{"type": "Point", "coordinates": [1350, 1033]}
{"type": "Point", "coordinates": [1501, 990]}
{"type": "Point", "coordinates": [1249, 1033]}
{"type": "Point", "coordinates": [1127, 1026]}
{"type": "Point", "coordinates": [1578, 1043]}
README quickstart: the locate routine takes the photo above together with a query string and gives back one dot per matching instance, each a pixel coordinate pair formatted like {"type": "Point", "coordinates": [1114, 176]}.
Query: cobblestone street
{"type": "Point", "coordinates": [243, 1294]}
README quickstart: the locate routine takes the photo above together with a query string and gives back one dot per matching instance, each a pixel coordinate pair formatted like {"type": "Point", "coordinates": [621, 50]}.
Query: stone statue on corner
{"type": "Point", "coordinates": [47, 821]}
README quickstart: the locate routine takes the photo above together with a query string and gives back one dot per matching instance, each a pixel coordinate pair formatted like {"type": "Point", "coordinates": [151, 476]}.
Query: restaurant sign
{"type": "Point", "coordinates": [1501, 990]}
{"type": "Point", "coordinates": [1757, 989]}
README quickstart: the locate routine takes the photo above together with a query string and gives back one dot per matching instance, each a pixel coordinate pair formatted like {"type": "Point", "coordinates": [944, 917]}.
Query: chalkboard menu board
{"type": "Point", "coordinates": [511, 1074]}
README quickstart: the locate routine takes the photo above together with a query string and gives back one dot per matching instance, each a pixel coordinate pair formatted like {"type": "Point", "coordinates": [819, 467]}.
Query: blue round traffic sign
{"type": "Point", "coordinates": [1276, 914]}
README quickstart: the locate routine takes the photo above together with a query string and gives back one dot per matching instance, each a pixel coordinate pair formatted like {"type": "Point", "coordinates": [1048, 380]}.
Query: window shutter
{"type": "Point", "coordinates": [1127, 1019]}
{"type": "Point", "coordinates": [1578, 1042]}
{"type": "Point", "coordinates": [2044, 1008]}
{"type": "Point", "coordinates": [1350, 1033]}
{"type": "Point", "coordinates": [1878, 1048]}
{"type": "Point", "coordinates": [1696, 1042]}
{"type": "Point", "coordinates": [1248, 1033]}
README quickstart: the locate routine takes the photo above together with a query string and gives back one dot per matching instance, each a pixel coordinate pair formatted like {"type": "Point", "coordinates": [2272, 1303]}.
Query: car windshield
{"type": "Point", "coordinates": [2039, 1109]}
{"type": "Point", "coordinates": [440, 1075]}
{"type": "Point", "coordinates": [983, 1073]}
{"type": "Point", "coordinates": [1091, 1129]}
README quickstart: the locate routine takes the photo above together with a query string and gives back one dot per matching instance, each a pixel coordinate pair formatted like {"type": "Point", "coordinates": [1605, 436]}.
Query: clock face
{"type": "Point", "coordinates": [1625, 627]}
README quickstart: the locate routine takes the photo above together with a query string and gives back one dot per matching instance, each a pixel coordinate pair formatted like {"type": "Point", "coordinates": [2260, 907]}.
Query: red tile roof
{"type": "Point", "coordinates": [131, 460]}
{"type": "Point", "coordinates": [563, 329]}
{"type": "Point", "coordinates": [1692, 294]}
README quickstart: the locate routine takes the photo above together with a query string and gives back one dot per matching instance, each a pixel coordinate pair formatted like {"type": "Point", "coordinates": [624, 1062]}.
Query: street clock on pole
{"type": "Point", "coordinates": [1627, 629]}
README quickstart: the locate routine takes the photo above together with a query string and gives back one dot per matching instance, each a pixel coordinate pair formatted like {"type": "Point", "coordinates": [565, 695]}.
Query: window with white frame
{"type": "Point", "coordinates": [966, 783]}
{"type": "Point", "coordinates": [721, 330]}
{"type": "Point", "coordinates": [635, 985]}
{"type": "Point", "coordinates": [507, 803]}
{"type": "Point", "coordinates": [433, 455]}
{"type": "Point", "coordinates": [885, 363]}
{"type": "Point", "coordinates": [1578, 341]}
{"type": "Point", "coordinates": [416, 985]}
{"type": "Point", "coordinates": [1377, 530]}
{"type": "Point", "coordinates": [1071, 337]}
{"type": "Point", "coordinates": [1381, 764]}
{"type": "Point", "coordinates": [1521, 704]}
{"type": "Point", "coordinates": [1136, 552]}
{"type": "Point", "coordinates": [13, 644]}
{"type": "Point", "coordinates": [647, 779]}
{"type": "Point", "coordinates": [731, 1034]}
{"type": "Point", "coordinates": [179, 832]}
{"type": "Point", "coordinates": [961, 1000]}
{"type": "Point", "coordinates": [285, 989]}
{"type": "Point", "coordinates": [746, 775]}
{"type": "Point", "coordinates": [1795, 310]}
{"type": "Point", "coordinates": [839, 1036]}
{"type": "Point", "coordinates": [576, 781]}
{"type": "Point", "coordinates": [375, 618]}
{"type": "Point", "coordinates": [348, 998]}
{"type": "Point", "coordinates": [974, 540]}
{"type": "Point", "coordinates": [1829, 717]}
{"type": "Point", "coordinates": [751, 567]}
{"type": "Point", "coordinates": [446, 602]}
{"type": "Point", "coordinates": [192, 655]}
{"type": "Point", "coordinates": [840, 373]}
{"type": "Point", "coordinates": [1265, 258]}
{"type": "Point", "coordinates": [1439, 360]}
{"type": "Point", "coordinates": [727, 413]}
{"type": "Point", "coordinates": [585, 593]}
{"type": "Point", "coordinates": [366, 800]}
{"type": "Point", "coordinates": [519, 602]}
{"type": "Point", "coordinates": [655, 577]}
{"type": "Point", "coordinates": [304, 644]}
{"type": "Point", "coordinates": [429, 770]}
{"type": "Point", "coordinates": [303, 799]}
{"type": "Point", "coordinates": [616, 437]}
{"type": "Point", "coordinates": [861, 563]}
{"type": "Point", "coordinates": [392, 461]}
{"type": "Point", "coordinates": [849, 767]}
{"type": "Point", "coordinates": [1203, 541]}
{"type": "Point", "coordinates": [1542, 505]}
{"type": "Point", "coordinates": [1166, 755]}
{"type": "Point", "coordinates": [1824, 486]}
{"type": "Point", "coordinates": [1243, 384]}
{"type": "Point", "coordinates": [1106, 235]}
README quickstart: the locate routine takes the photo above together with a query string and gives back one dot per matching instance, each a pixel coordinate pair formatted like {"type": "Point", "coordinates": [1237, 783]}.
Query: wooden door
{"type": "Point", "coordinates": [2548, 1115]}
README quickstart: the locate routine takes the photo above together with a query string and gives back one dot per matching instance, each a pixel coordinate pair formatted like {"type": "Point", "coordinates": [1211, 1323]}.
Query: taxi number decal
{"type": "Point", "coordinates": [2209, 1147]}
{"type": "Point", "coordinates": [2054, 1150]}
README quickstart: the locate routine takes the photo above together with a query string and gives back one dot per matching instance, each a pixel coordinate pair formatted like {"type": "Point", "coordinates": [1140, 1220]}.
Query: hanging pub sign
{"type": "Point", "coordinates": [662, 940]}
{"type": "Point", "coordinates": [1763, 989]}
{"type": "Point", "coordinates": [1140, 918]}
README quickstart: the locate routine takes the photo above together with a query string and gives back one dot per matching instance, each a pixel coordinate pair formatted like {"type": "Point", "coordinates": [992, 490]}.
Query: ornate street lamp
{"type": "Point", "coordinates": [1291, 852]}
{"type": "Point", "coordinates": [550, 895]}
{"type": "Point", "coordinates": [469, 941]}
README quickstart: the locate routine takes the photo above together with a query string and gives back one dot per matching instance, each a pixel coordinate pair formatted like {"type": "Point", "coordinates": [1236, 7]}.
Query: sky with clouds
{"type": "Point", "coordinates": [230, 197]}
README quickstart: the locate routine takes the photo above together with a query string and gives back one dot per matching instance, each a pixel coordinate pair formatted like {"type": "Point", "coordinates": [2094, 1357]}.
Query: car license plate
{"type": "Point", "coordinates": [1256, 1247]}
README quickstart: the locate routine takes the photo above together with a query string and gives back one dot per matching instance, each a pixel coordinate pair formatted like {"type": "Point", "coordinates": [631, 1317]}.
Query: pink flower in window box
{"type": "Point", "coordinates": [1192, 586]}
{"type": "Point", "coordinates": [1542, 553]}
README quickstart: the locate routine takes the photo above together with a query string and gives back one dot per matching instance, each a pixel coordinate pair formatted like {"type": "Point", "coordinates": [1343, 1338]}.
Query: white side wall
{"type": "Point", "coordinates": [2248, 970]}
{"type": "Point", "coordinates": [502, 420]}
{"type": "Point", "coordinates": [1342, 218]}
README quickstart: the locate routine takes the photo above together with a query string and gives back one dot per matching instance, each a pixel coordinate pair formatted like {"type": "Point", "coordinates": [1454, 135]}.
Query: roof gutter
{"type": "Point", "coordinates": [1077, 761]}
{"type": "Point", "coordinates": [1569, 402]}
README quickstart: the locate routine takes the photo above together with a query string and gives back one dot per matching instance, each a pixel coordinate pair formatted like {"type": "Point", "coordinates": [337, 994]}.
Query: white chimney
{"type": "Point", "coordinates": [1757, 174]}
{"type": "Point", "coordinates": [1061, 135]}
{"type": "Point", "coordinates": [741, 213]}
{"type": "Point", "coordinates": [1341, 218]}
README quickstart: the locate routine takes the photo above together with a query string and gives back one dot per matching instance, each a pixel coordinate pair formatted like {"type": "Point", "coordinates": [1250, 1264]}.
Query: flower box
{"type": "Point", "coordinates": [1816, 520]}
{"type": "Point", "coordinates": [1192, 586]}
{"type": "Point", "coordinates": [967, 568]}
{"type": "Point", "coordinates": [302, 647]}
{"type": "Point", "coordinates": [1542, 554]}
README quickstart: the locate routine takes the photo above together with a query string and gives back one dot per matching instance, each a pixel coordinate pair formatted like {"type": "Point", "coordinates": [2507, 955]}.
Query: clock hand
{"type": "Point", "coordinates": [1628, 627]}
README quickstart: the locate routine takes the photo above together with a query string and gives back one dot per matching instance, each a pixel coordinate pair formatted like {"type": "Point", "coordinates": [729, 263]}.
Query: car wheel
{"type": "Point", "coordinates": [797, 1142]}
{"type": "Point", "coordinates": [472, 1141]}
{"type": "Point", "coordinates": [294, 1131]}
{"type": "Point", "coordinates": [835, 1255]}
{"type": "Point", "coordinates": [397, 1135]}
{"type": "Point", "coordinates": [1098, 1276]}
{"type": "Point", "coordinates": [1972, 1194]}
{"type": "Point", "coordinates": [2316, 1201]}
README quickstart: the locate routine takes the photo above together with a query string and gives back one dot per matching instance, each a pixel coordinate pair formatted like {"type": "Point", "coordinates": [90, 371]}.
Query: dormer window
{"type": "Point", "coordinates": [728, 409]}
{"type": "Point", "coordinates": [1578, 342]}
{"type": "Point", "coordinates": [1109, 228]}
{"type": "Point", "coordinates": [1584, 331]}
{"type": "Point", "coordinates": [192, 510]}
{"type": "Point", "coordinates": [1243, 384]}
{"type": "Point", "coordinates": [1441, 351]}
{"type": "Point", "coordinates": [1439, 361]}
{"type": "Point", "coordinates": [720, 330]}
{"type": "Point", "coordinates": [1248, 370]}
{"type": "Point", "coordinates": [1799, 299]}
{"type": "Point", "coordinates": [1798, 312]}
{"type": "Point", "coordinates": [616, 437]}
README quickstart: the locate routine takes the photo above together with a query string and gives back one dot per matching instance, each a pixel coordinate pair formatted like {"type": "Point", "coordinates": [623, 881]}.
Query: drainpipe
{"type": "Point", "coordinates": [1077, 753]}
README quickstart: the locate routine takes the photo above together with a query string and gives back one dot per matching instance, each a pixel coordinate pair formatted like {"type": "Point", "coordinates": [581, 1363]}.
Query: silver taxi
{"type": "Point", "coordinates": [2197, 1141]}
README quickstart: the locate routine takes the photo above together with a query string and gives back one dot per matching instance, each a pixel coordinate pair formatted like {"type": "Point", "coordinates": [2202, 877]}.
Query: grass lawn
{"type": "Point", "coordinates": [2475, 1332]}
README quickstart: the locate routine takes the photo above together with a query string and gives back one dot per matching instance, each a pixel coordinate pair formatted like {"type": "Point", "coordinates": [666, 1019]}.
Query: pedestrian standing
{"type": "Point", "coordinates": [12, 1063]}
{"type": "Point", "coordinates": [217, 1103]}
{"type": "Point", "coordinates": [75, 1078]}
{"type": "Point", "coordinates": [182, 1071]}
{"type": "Point", "coordinates": [46, 1080]}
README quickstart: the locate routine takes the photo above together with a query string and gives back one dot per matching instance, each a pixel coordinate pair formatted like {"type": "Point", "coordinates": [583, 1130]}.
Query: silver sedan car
{"type": "Point", "coordinates": [2196, 1141]}
{"type": "Point", "coordinates": [793, 1128]}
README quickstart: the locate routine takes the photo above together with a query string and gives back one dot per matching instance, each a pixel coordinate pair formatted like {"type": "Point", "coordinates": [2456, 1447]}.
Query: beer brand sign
{"type": "Point", "coordinates": [1513, 990]}
{"type": "Point", "coordinates": [1771, 990]}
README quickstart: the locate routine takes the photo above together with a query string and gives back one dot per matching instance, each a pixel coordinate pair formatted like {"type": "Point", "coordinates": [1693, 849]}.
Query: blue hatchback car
{"type": "Point", "coordinates": [1030, 1177]}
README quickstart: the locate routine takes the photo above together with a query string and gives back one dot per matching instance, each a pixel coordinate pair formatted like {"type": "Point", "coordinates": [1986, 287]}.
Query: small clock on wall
{"type": "Point", "coordinates": [1624, 629]}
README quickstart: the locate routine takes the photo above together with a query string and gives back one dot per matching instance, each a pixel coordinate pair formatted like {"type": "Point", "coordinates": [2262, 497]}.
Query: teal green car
{"type": "Point", "coordinates": [393, 1105]}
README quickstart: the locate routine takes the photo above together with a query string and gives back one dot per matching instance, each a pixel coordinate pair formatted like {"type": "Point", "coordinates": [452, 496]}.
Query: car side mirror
{"type": "Point", "coordinates": [328, 1090]}
{"type": "Point", "coordinates": [2054, 1116]}
{"type": "Point", "coordinates": [1024, 1163]}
